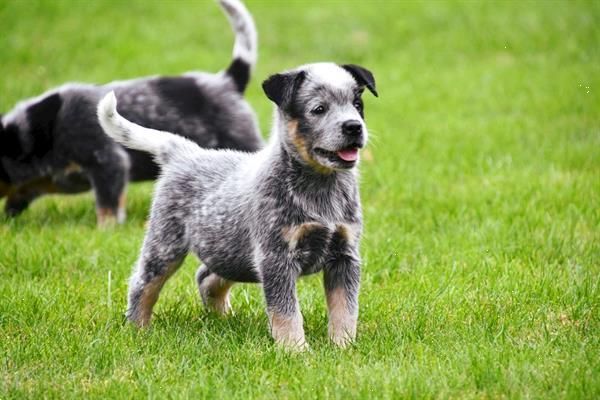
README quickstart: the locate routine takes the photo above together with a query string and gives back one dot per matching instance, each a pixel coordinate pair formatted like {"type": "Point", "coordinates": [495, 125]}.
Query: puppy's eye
{"type": "Point", "coordinates": [358, 105]}
{"type": "Point", "coordinates": [319, 110]}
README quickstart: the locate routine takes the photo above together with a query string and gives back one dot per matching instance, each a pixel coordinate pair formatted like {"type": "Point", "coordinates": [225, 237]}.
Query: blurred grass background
{"type": "Point", "coordinates": [480, 191]}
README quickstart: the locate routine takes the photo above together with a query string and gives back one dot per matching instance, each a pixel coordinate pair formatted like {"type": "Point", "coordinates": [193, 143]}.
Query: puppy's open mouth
{"type": "Point", "coordinates": [347, 156]}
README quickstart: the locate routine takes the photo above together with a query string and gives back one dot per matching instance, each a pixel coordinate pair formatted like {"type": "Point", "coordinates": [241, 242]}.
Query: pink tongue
{"type": "Point", "coordinates": [348, 155]}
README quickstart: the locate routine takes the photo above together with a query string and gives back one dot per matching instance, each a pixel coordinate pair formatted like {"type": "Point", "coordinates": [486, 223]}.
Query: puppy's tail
{"type": "Point", "coordinates": [164, 146]}
{"type": "Point", "coordinates": [244, 50]}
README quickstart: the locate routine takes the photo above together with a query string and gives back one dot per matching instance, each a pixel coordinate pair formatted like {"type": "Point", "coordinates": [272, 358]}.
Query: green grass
{"type": "Point", "coordinates": [481, 250]}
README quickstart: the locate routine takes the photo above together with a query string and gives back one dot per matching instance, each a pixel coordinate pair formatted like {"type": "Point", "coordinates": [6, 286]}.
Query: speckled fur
{"type": "Point", "coordinates": [268, 217]}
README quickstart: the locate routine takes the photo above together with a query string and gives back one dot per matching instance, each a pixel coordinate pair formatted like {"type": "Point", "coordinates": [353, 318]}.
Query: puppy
{"type": "Point", "coordinates": [54, 144]}
{"type": "Point", "coordinates": [289, 210]}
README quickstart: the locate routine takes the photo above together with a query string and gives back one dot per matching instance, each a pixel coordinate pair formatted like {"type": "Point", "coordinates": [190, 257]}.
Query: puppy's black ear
{"type": "Point", "coordinates": [41, 117]}
{"type": "Point", "coordinates": [281, 88]}
{"type": "Point", "coordinates": [363, 76]}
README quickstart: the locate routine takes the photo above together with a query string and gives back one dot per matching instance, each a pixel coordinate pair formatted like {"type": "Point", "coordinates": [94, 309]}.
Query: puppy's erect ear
{"type": "Point", "coordinates": [41, 117]}
{"type": "Point", "coordinates": [281, 88]}
{"type": "Point", "coordinates": [363, 76]}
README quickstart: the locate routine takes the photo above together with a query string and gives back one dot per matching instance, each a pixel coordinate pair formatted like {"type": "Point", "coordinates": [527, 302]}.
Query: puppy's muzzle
{"type": "Point", "coordinates": [352, 128]}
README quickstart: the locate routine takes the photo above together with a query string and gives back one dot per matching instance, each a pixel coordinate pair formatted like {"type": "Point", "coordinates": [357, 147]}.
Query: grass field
{"type": "Point", "coordinates": [481, 194]}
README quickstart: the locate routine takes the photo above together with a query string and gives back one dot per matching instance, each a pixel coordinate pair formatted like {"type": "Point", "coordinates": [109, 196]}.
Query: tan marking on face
{"type": "Point", "coordinates": [302, 149]}
{"type": "Point", "coordinates": [342, 323]}
{"type": "Point", "coordinates": [288, 331]}
{"type": "Point", "coordinates": [293, 234]}
{"type": "Point", "coordinates": [214, 292]}
{"type": "Point", "coordinates": [349, 232]}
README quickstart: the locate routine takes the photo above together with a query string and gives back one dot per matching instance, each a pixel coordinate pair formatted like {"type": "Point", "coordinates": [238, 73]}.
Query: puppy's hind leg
{"type": "Point", "coordinates": [214, 290]}
{"type": "Point", "coordinates": [164, 249]}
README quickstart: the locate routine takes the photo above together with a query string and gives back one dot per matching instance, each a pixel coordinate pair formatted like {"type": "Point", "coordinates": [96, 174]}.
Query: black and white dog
{"type": "Point", "coordinates": [288, 210]}
{"type": "Point", "coordinates": [54, 144]}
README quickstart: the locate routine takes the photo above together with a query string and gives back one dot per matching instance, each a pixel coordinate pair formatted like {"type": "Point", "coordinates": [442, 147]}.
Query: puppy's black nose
{"type": "Point", "coordinates": [352, 127]}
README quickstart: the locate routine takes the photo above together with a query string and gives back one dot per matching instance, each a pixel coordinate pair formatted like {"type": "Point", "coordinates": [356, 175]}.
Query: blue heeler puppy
{"type": "Point", "coordinates": [289, 210]}
{"type": "Point", "coordinates": [54, 144]}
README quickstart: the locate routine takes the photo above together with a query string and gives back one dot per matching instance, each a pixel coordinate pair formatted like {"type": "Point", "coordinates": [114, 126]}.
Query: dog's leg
{"type": "Point", "coordinates": [342, 281]}
{"type": "Point", "coordinates": [165, 247]}
{"type": "Point", "coordinates": [109, 179]}
{"type": "Point", "coordinates": [109, 188]}
{"type": "Point", "coordinates": [279, 277]}
{"type": "Point", "coordinates": [214, 290]}
{"type": "Point", "coordinates": [19, 200]}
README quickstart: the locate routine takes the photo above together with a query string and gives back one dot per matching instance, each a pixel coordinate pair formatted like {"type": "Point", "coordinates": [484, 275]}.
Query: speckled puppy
{"type": "Point", "coordinates": [289, 210]}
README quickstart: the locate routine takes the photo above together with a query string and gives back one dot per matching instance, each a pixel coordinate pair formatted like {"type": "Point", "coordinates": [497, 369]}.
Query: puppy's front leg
{"type": "Point", "coordinates": [279, 284]}
{"type": "Point", "coordinates": [341, 289]}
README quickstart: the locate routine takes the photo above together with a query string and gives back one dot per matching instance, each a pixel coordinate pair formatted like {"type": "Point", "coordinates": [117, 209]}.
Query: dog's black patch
{"type": "Point", "coordinates": [310, 248]}
{"type": "Point", "coordinates": [10, 146]}
{"type": "Point", "coordinates": [183, 93]}
{"type": "Point", "coordinates": [41, 117]}
{"type": "Point", "coordinates": [239, 71]}
{"type": "Point", "coordinates": [142, 166]}
{"type": "Point", "coordinates": [362, 76]}
{"type": "Point", "coordinates": [193, 101]}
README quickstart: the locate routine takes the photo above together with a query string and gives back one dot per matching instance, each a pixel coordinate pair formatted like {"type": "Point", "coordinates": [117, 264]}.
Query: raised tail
{"type": "Point", "coordinates": [244, 50]}
{"type": "Point", "coordinates": [164, 146]}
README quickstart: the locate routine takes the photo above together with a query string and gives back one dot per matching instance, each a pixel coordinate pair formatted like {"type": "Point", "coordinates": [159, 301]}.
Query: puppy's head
{"type": "Point", "coordinates": [321, 107]}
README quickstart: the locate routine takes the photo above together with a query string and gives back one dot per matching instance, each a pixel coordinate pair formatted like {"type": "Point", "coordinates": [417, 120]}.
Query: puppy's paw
{"type": "Point", "coordinates": [139, 320]}
{"type": "Point", "coordinates": [218, 305]}
{"type": "Point", "coordinates": [342, 339]}
{"type": "Point", "coordinates": [214, 291]}
{"type": "Point", "coordinates": [288, 331]}
{"type": "Point", "coordinates": [106, 218]}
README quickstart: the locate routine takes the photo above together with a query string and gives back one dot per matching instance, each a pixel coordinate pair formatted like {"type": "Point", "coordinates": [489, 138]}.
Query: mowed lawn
{"type": "Point", "coordinates": [480, 189]}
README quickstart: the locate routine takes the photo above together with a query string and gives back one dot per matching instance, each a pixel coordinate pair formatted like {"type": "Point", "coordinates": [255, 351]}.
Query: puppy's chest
{"type": "Point", "coordinates": [312, 244]}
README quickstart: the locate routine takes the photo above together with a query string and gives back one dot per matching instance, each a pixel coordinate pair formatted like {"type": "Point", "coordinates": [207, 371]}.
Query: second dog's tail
{"type": "Point", "coordinates": [244, 50]}
{"type": "Point", "coordinates": [162, 145]}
